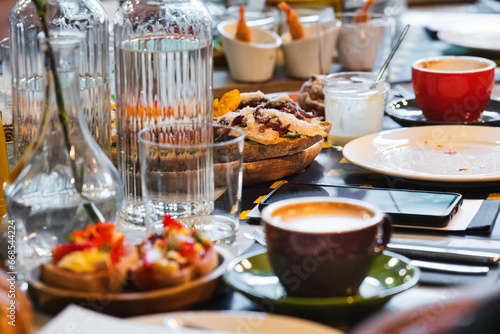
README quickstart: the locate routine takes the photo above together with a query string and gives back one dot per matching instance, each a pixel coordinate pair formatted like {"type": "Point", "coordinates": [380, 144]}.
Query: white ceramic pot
{"type": "Point", "coordinates": [249, 62]}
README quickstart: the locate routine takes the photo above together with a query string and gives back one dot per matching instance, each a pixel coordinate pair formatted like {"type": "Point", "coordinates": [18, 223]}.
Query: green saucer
{"type": "Point", "coordinates": [252, 275]}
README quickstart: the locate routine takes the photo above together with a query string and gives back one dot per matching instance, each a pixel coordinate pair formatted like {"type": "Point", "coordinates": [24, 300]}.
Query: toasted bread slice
{"type": "Point", "coordinates": [256, 152]}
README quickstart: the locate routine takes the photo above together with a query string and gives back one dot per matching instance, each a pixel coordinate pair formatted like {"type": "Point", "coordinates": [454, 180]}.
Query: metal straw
{"type": "Point", "coordinates": [394, 49]}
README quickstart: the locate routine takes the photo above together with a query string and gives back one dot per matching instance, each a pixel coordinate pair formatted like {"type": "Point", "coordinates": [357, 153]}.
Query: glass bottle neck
{"type": "Point", "coordinates": [61, 60]}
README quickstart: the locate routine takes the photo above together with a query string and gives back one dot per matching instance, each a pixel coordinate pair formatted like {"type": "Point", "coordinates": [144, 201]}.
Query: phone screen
{"type": "Point", "coordinates": [426, 208]}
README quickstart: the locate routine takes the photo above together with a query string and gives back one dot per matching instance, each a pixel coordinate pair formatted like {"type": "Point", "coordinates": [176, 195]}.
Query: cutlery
{"type": "Point", "coordinates": [450, 268]}
{"type": "Point", "coordinates": [446, 254]}
{"type": "Point", "coordinates": [260, 237]}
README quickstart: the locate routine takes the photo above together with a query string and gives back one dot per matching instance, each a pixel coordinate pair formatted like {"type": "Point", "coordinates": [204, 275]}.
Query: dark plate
{"type": "Point", "coordinates": [407, 113]}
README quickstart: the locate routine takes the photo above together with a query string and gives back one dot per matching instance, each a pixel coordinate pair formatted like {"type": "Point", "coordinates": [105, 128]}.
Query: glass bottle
{"type": "Point", "coordinates": [86, 16]}
{"type": "Point", "coordinates": [163, 60]}
{"type": "Point", "coordinates": [59, 180]}
{"type": "Point", "coordinates": [4, 167]}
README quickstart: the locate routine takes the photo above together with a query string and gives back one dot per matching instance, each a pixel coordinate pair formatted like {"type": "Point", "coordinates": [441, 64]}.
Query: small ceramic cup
{"type": "Point", "coordinates": [453, 88]}
{"type": "Point", "coordinates": [312, 54]}
{"type": "Point", "coordinates": [249, 62]}
{"type": "Point", "coordinates": [324, 246]}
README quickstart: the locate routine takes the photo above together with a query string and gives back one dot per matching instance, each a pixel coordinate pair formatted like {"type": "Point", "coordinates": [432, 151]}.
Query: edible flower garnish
{"type": "Point", "coordinates": [229, 102]}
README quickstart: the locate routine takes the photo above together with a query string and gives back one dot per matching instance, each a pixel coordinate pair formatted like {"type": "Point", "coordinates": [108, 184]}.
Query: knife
{"type": "Point", "coordinates": [450, 268]}
{"type": "Point", "coordinates": [445, 254]}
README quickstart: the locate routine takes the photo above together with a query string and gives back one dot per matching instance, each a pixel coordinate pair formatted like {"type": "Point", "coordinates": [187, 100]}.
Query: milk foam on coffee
{"type": "Point", "coordinates": [450, 65]}
{"type": "Point", "coordinates": [322, 217]}
{"type": "Point", "coordinates": [322, 224]}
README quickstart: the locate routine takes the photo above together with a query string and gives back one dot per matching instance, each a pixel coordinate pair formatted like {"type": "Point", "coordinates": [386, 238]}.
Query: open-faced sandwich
{"type": "Point", "coordinates": [174, 256]}
{"type": "Point", "coordinates": [274, 127]}
{"type": "Point", "coordinates": [96, 259]}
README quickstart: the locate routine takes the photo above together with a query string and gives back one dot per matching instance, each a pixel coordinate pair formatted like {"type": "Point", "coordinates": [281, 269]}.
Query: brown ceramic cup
{"type": "Point", "coordinates": [324, 246]}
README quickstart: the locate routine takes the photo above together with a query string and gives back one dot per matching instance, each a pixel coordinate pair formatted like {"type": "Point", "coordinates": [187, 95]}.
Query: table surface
{"type": "Point", "coordinates": [330, 167]}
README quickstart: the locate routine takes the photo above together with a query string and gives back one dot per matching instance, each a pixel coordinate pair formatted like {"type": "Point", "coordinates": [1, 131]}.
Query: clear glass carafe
{"type": "Point", "coordinates": [163, 60]}
{"type": "Point", "coordinates": [85, 16]}
{"type": "Point", "coordinates": [64, 181]}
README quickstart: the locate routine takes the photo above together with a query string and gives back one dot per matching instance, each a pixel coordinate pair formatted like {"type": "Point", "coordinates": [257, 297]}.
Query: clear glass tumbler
{"type": "Point", "coordinates": [364, 46]}
{"type": "Point", "coordinates": [163, 60]}
{"type": "Point", "coordinates": [354, 104]}
{"type": "Point", "coordinates": [263, 17]}
{"type": "Point", "coordinates": [193, 172]}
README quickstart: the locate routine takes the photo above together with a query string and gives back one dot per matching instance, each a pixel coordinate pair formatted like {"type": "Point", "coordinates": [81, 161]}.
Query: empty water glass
{"type": "Point", "coordinates": [194, 174]}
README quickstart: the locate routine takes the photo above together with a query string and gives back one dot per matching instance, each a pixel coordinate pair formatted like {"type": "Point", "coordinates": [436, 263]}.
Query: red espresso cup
{"type": "Point", "coordinates": [453, 88]}
{"type": "Point", "coordinates": [323, 246]}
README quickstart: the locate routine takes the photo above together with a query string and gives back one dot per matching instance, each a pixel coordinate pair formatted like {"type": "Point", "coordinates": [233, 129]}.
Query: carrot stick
{"type": "Point", "coordinates": [242, 30]}
{"type": "Point", "coordinates": [294, 25]}
{"type": "Point", "coordinates": [362, 15]}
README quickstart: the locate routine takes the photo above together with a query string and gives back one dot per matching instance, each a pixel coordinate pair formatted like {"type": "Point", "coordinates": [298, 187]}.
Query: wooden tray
{"type": "Point", "coordinates": [131, 303]}
{"type": "Point", "coordinates": [277, 168]}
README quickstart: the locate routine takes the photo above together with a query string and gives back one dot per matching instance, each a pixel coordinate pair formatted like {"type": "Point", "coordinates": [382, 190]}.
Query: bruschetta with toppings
{"type": "Point", "coordinates": [173, 256]}
{"type": "Point", "coordinates": [95, 259]}
{"type": "Point", "coordinates": [274, 127]}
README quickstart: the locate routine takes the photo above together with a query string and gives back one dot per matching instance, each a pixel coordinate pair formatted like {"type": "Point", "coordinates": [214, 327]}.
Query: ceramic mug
{"type": "Point", "coordinates": [453, 88]}
{"type": "Point", "coordinates": [324, 246]}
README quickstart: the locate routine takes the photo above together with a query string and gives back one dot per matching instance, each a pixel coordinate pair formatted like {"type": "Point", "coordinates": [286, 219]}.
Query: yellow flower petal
{"type": "Point", "coordinates": [228, 102]}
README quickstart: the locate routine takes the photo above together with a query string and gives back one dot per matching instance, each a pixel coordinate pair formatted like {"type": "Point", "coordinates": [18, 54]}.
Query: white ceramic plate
{"type": "Point", "coordinates": [236, 322]}
{"type": "Point", "coordinates": [444, 153]}
{"type": "Point", "coordinates": [482, 35]}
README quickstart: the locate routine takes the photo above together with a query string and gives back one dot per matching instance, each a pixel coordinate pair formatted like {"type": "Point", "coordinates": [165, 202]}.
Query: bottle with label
{"type": "Point", "coordinates": [85, 16]}
{"type": "Point", "coordinates": [164, 68]}
{"type": "Point", "coordinates": [4, 168]}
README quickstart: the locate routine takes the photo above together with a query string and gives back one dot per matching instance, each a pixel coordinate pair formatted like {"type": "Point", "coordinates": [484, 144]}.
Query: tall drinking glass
{"type": "Point", "coordinates": [163, 60]}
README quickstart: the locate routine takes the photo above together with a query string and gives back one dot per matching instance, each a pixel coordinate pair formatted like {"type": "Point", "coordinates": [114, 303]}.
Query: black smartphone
{"type": "Point", "coordinates": [407, 207]}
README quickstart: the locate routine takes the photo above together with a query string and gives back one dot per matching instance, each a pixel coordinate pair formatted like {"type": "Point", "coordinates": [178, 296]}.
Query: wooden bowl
{"type": "Point", "coordinates": [277, 168]}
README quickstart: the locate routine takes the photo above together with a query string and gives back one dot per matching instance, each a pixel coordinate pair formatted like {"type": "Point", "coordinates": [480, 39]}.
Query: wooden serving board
{"type": "Point", "coordinates": [132, 303]}
{"type": "Point", "coordinates": [277, 168]}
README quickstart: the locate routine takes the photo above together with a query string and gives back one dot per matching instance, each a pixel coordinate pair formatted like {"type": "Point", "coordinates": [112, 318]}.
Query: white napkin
{"type": "Point", "coordinates": [75, 319]}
